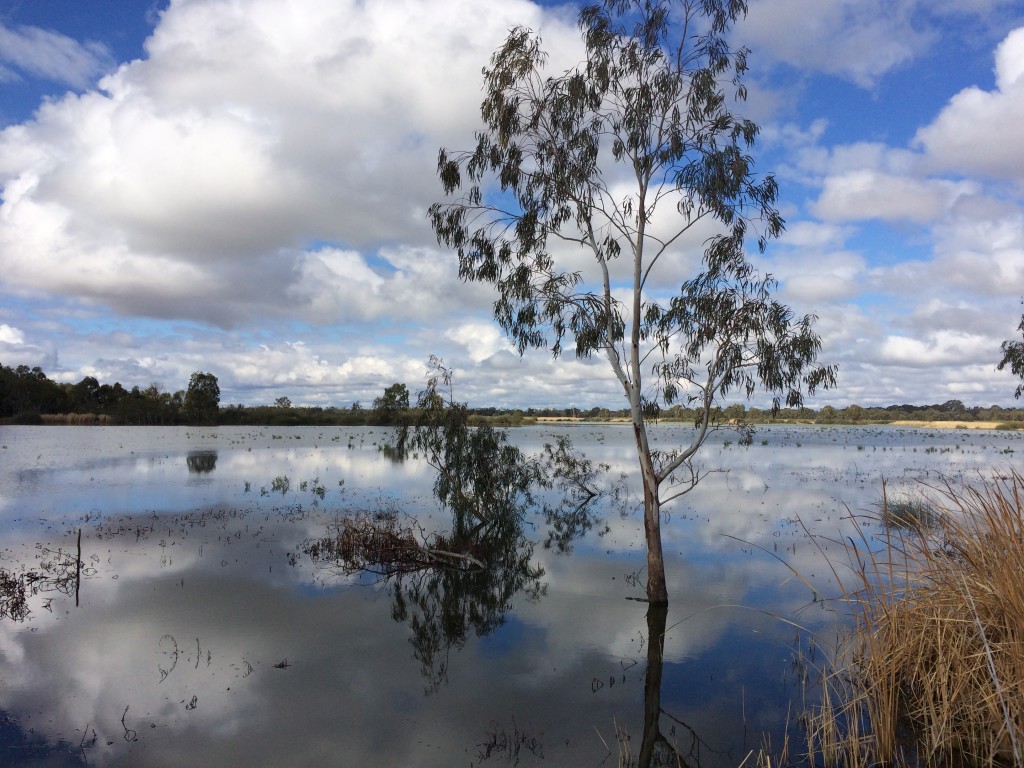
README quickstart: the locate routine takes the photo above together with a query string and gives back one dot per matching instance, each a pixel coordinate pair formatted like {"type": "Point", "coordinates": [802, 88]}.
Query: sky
{"type": "Point", "coordinates": [241, 186]}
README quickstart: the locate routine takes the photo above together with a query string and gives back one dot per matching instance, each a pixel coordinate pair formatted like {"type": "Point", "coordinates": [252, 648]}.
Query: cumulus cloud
{"type": "Point", "coordinates": [868, 194]}
{"type": "Point", "coordinates": [10, 335]}
{"type": "Point", "coordinates": [399, 285]}
{"type": "Point", "coordinates": [191, 182]}
{"type": "Point", "coordinates": [978, 132]}
{"type": "Point", "coordinates": [481, 340]}
{"type": "Point", "coordinates": [268, 166]}
{"type": "Point", "coordinates": [939, 348]}
{"type": "Point", "coordinates": [813, 234]}
{"type": "Point", "coordinates": [827, 277]}
{"type": "Point", "coordinates": [854, 39]}
{"type": "Point", "coordinates": [977, 253]}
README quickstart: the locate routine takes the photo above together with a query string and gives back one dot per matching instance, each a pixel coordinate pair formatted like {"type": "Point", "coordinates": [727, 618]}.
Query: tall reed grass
{"type": "Point", "coordinates": [85, 419]}
{"type": "Point", "coordinates": [933, 671]}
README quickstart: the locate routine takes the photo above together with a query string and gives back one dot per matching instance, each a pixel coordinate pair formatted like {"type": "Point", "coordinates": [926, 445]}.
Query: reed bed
{"type": "Point", "coordinates": [933, 671]}
{"type": "Point", "coordinates": [80, 419]}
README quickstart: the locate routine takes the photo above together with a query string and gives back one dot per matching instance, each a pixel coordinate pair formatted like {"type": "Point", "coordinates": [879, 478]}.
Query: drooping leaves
{"type": "Point", "coordinates": [645, 111]}
{"type": "Point", "coordinates": [1013, 356]}
{"type": "Point", "coordinates": [646, 104]}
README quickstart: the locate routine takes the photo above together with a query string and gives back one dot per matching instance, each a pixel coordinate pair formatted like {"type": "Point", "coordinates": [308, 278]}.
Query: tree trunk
{"type": "Point", "coordinates": [657, 590]}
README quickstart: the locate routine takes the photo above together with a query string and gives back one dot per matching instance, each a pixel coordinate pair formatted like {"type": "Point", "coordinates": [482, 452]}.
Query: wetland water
{"type": "Point", "coordinates": [204, 636]}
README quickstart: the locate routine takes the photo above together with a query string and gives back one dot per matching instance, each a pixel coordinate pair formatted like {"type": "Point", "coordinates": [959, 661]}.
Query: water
{"type": "Point", "coordinates": [205, 636]}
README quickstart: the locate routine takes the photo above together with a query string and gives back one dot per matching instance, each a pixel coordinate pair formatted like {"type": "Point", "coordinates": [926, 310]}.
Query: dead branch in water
{"type": "Point", "coordinates": [376, 542]}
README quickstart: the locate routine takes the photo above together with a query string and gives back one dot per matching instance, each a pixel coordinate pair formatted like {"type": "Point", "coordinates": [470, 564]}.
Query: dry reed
{"type": "Point", "coordinates": [79, 419]}
{"type": "Point", "coordinates": [933, 672]}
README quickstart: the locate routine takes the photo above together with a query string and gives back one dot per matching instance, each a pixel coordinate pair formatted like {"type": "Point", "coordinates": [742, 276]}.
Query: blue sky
{"type": "Point", "coordinates": [240, 187]}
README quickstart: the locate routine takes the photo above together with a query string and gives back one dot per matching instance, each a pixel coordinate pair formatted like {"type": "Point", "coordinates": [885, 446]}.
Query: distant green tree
{"type": "Point", "coordinates": [282, 402]}
{"type": "Point", "coordinates": [8, 392]}
{"type": "Point", "coordinates": [735, 412]}
{"type": "Point", "coordinates": [25, 390]}
{"type": "Point", "coordinates": [391, 404]}
{"type": "Point", "coordinates": [202, 399]}
{"type": "Point", "coordinates": [85, 395]}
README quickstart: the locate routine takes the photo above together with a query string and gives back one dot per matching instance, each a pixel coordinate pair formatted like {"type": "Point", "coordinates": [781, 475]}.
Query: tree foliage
{"type": "Point", "coordinates": [580, 163]}
{"type": "Point", "coordinates": [391, 404]}
{"type": "Point", "coordinates": [202, 399]}
{"type": "Point", "coordinates": [1013, 356]}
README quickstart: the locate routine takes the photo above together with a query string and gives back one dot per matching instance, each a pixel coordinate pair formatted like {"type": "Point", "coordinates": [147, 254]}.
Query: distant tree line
{"type": "Point", "coordinates": [28, 396]}
{"type": "Point", "coordinates": [951, 410]}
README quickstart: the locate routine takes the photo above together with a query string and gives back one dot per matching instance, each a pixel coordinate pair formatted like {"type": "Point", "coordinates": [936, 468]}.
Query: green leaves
{"type": "Point", "coordinates": [1013, 356]}
{"type": "Point", "coordinates": [647, 104]}
{"type": "Point", "coordinates": [740, 337]}
{"type": "Point", "coordinates": [645, 111]}
{"type": "Point", "coordinates": [202, 400]}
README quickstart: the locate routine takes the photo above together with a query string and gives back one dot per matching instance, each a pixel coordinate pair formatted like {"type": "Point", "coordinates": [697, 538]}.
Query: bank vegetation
{"type": "Point", "coordinates": [932, 672]}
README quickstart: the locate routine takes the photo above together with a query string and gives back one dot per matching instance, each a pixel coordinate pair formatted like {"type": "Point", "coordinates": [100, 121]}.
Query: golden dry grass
{"type": "Point", "coordinates": [85, 419]}
{"type": "Point", "coordinates": [934, 671]}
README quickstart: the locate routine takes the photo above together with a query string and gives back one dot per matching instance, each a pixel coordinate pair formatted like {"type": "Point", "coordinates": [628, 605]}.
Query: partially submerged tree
{"type": "Point", "coordinates": [580, 163]}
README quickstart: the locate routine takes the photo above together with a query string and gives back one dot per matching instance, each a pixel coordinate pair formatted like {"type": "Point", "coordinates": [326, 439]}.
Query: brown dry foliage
{"type": "Point", "coordinates": [375, 542]}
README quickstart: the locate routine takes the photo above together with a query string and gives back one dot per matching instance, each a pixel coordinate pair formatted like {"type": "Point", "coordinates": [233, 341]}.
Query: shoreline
{"type": "Point", "coordinates": [896, 423]}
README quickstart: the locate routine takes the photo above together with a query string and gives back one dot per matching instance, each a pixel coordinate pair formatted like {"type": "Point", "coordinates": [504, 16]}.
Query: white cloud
{"type": "Point", "coordinates": [865, 194]}
{"type": "Point", "coordinates": [940, 348]}
{"type": "Point", "coordinates": [813, 234]}
{"type": "Point", "coordinates": [51, 56]}
{"type": "Point", "coordinates": [811, 278]}
{"type": "Point", "coordinates": [480, 340]}
{"type": "Point", "coordinates": [191, 183]}
{"type": "Point", "coordinates": [857, 39]}
{"type": "Point", "coordinates": [269, 165]}
{"type": "Point", "coordinates": [10, 335]}
{"type": "Point", "coordinates": [978, 132]}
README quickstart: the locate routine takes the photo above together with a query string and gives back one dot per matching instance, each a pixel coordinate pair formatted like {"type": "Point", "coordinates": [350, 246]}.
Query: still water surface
{"type": "Point", "coordinates": [204, 636]}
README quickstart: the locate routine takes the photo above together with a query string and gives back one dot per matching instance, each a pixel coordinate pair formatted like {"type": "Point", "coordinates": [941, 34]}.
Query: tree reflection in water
{"type": "Point", "coordinates": [446, 584]}
{"type": "Point", "coordinates": [442, 605]}
{"type": "Point", "coordinates": [201, 462]}
{"type": "Point", "coordinates": [683, 747]}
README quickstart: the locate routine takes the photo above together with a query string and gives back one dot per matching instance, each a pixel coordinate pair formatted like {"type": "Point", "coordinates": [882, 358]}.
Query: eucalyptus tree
{"type": "Point", "coordinates": [578, 164]}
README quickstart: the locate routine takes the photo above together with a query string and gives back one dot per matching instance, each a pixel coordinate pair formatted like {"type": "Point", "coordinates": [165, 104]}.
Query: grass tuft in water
{"type": "Point", "coordinates": [909, 513]}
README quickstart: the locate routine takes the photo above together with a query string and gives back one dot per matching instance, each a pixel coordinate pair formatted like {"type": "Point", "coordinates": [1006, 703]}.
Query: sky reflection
{"type": "Point", "coordinates": [205, 637]}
